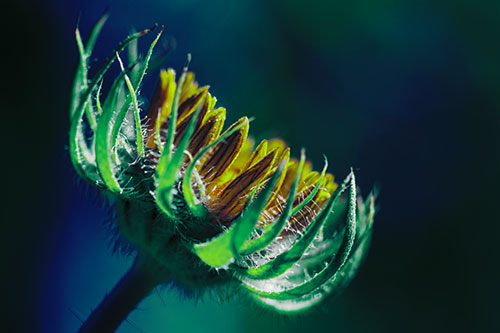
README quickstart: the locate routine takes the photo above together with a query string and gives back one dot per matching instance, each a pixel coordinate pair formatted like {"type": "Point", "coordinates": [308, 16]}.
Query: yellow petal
{"type": "Point", "coordinates": [284, 157]}
{"type": "Point", "coordinates": [186, 111]}
{"type": "Point", "coordinates": [308, 182]}
{"type": "Point", "coordinates": [208, 105]}
{"type": "Point", "coordinates": [188, 88]}
{"type": "Point", "coordinates": [290, 174]}
{"type": "Point", "coordinates": [276, 201]}
{"type": "Point", "coordinates": [234, 196]}
{"type": "Point", "coordinates": [223, 154]}
{"type": "Point", "coordinates": [161, 103]}
{"type": "Point", "coordinates": [210, 102]}
{"type": "Point", "coordinates": [276, 144]}
{"type": "Point", "coordinates": [190, 105]}
{"type": "Point", "coordinates": [257, 155]}
{"type": "Point", "coordinates": [307, 170]}
{"type": "Point", "coordinates": [327, 188]}
{"type": "Point", "coordinates": [240, 162]}
{"type": "Point", "coordinates": [330, 185]}
{"type": "Point", "coordinates": [209, 131]}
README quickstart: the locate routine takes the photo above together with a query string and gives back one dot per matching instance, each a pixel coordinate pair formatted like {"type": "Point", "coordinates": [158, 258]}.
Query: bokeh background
{"type": "Point", "coordinates": [407, 92]}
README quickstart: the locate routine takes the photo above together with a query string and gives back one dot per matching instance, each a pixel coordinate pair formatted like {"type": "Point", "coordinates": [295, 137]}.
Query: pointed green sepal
{"type": "Point", "coordinates": [139, 75]}
{"type": "Point", "coordinates": [138, 127]}
{"type": "Point", "coordinates": [313, 193]}
{"type": "Point", "coordinates": [193, 203]}
{"type": "Point", "coordinates": [330, 288]}
{"type": "Point", "coordinates": [80, 82]}
{"type": "Point", "coordinates": [81, 157]}
{"type": "Point", "coordinates": [221, 250]}
{"type": "Point", "coordinates": [245, 230]}
{"type": "Point", "coordinates": [172, 125]}
{"type": "Point", "coordinates": [268, 289]}
{"type": "Point", "coordinates": [273, 230]}
{"type": "Point", "coordinates": [110, 123]}
{"type": "Point", "coordinates": [167, 174]}
{"type": "Point", "coordinates": [287, 259]}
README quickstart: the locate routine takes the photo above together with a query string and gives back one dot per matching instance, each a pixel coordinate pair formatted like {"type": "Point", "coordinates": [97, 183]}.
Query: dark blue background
{"type": "Point", "coordinates": [405, 92]}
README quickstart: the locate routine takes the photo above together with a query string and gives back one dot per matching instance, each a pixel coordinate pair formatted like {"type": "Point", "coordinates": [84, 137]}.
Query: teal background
{"type": "Point", "coordinates": [406, 92]}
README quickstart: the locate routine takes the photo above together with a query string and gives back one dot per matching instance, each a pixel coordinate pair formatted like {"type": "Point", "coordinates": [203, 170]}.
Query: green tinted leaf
{"type": "Point", "coordinates": [314, 191]}
{"type": "Point", "coordinates": [193, 203]}
{"type": "Point", "coordinates": [138, 128]}
{"type": "Point", "coordinates": [330, 288]}
{"type": "Point", "coordinates": [173, 116]}
{"type": "Point", "coordinates": [222, 249]}
{"type": "Point", "coordinates": [288, 258]}
{"type": "Point", "coordinates": [167, 176]}
{"type": "Point", "coordinates": [244, 230]}
{"type": "Point", "coordinates": [81, 157]}
{"type": "Point", "coordinates": [274, 291]}
{"type": "Point", "coordinates": [271, 232]}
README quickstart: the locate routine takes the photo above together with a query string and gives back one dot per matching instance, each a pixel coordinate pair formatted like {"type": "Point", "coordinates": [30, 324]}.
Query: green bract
{"type": "Point", "coordinates": [202, 204]}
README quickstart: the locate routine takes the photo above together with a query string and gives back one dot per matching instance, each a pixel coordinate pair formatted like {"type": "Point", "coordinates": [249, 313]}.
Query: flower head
{"type": "Point", "coordinates": [210, 205]}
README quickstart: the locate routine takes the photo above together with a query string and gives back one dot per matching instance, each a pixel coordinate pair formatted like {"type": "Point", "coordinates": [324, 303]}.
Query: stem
{"type": "Point", "coordinates": [144, 275]}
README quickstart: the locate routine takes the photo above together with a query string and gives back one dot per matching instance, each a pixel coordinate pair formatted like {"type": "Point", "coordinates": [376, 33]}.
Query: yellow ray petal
{"type": "Point", "coordinates": [258, 154]}
{"type": "Point", "coordinates": [307, 170]}
{"type": "Point", "coordinates": [190, 105]}
{"type": "Point", "coordinates": [276, 143]}
{"type": "Point", "coordinates": [223, 154]}
{"type": "Point", "coordinates": [240, 162]}
{"type": "Point", "coordinates": [209, 131]}
{"type": "Point", "coordinates": [308, 182]}
{"type": "Point", "coordinates": [277, 200]}
{"type": "Point", "coordinates": [206, 109]}
{"type": "Point", "coordinates": [330, 185]}
{"type": "Point", "coordinates": [327, 188]}
{"type": "Point", "coordinates": [189, 88]}
{"type": "Point", "coordinates": [210, 101]}
{"type": "Point", "coordinates": [233, 198]}
{"type": "Point", "coordinates": [291, 172]}
{"type": "Point", "coordinates": [208, 106]}
{"type": "Point", "coordinates": [161, 103]}
{"type": "Point", "coordinates": [284, 156]}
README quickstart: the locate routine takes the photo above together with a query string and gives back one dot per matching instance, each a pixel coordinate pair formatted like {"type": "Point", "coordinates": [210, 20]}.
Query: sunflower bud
{"type": "Point", "coordinates": [209, 205]}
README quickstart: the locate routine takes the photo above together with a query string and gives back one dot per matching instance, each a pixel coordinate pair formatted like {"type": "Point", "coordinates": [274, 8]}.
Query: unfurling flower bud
{"type": "Point", "coordinates": [203, 203]}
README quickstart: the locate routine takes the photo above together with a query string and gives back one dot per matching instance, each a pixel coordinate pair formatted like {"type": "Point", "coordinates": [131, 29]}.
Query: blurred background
{"type": "Point", "coordinates": [406, 92]}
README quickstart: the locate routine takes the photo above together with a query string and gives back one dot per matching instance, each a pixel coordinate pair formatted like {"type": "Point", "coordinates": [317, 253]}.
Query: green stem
{"type": "Point", "coordinates": [138, 282]}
